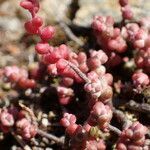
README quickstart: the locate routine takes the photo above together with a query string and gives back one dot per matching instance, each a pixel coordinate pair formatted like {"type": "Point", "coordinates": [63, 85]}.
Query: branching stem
{"type": "Point", "coordinates": [51, 137]}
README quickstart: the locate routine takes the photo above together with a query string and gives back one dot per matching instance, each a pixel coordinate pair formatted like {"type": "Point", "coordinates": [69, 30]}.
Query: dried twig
{"type": "Point", "coordinates": [114, 129]}
{"type": "Point", "coordinates": [40, 132]}
{"type": "Point", "coordinates": [79, 72]}
{"type": "Point", "coordinates": [145, 108]}
{"type": "Point", "coordinates": [21, 142]}
{"type": "Point", "coordinates": [69, 33]}
{"type": "Point", "coordinates": [51, 137]}
{"type": "Point", "coordinates": [121, 118]}
{"type": "Point", "coordinates": [27, 109]}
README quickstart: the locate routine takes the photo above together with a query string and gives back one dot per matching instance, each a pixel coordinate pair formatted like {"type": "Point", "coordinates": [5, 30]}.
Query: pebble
{"type": "Point", "coordinates": [90, 8]}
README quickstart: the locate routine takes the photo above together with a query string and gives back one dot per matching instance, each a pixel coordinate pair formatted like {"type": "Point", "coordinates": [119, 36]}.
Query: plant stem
{"type": "Point", "coordinates": [145, 108]}
{"type": "Point", "coordinates": [114, 129]}
{"type": "Point", "coordinates": [70, 34]}
{"type": "Point", "coordinates": [51, 137]}
{"type": "Point", "coordinates": [21, 142]}
{"type": "Point", "coordinates": [121, 118]}
{"type": "Point", "coordinates": [79, 72]}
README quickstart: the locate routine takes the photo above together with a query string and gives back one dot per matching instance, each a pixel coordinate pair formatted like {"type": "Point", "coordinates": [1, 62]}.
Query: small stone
{"type": "Point", "coordinates": [45, 122]}
{"type": "Point", "coordinates": [1, 136]}
{"type": "Point", "coordinates": [90, 8]}
{"type": "Point", "coordinates": [54, 9]}
{"type": "Point", "coordinates": [48, 149]}
{"type": "Point", "coordinates": [28, 92]}
{"type": "Point", "coordinates": [6, 86]}
{"type": "Point", "coordinates": [51, 115]}
{"type": "Point", "coordinates": [44, 115]}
